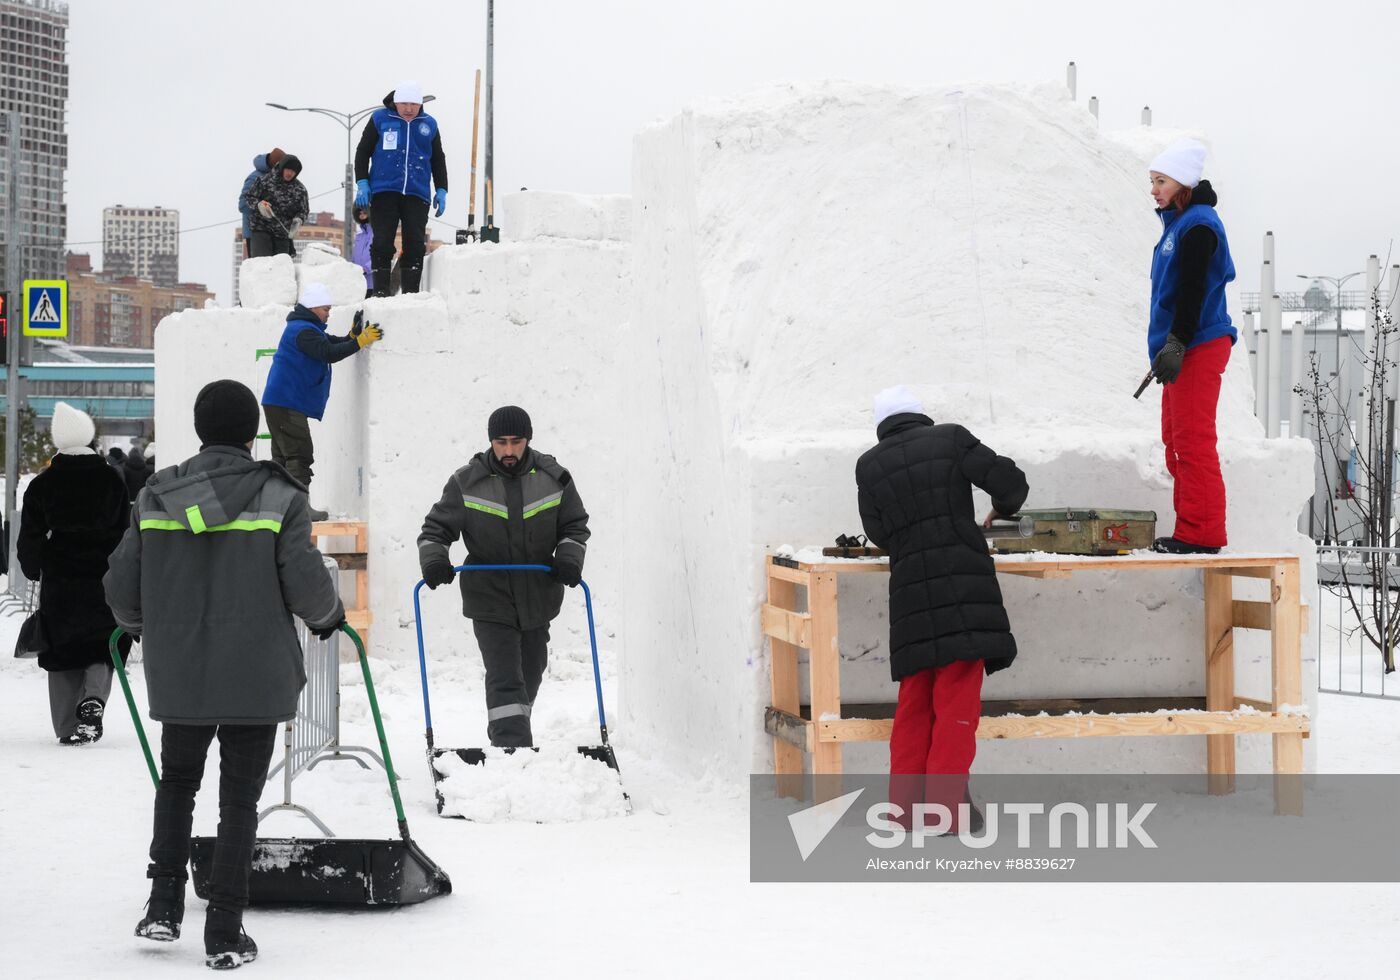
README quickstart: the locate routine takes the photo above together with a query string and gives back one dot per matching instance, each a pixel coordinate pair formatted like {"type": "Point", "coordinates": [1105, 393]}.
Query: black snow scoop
{"type": "Point", "coordinates": [333, 871]}
{"type": "Point", "coordinates": [603, 752]}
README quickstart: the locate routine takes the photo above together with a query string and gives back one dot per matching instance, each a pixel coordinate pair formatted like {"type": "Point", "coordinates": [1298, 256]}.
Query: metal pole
{"type": "Point", "coordinates": [1094, 107]}
{"type": "Point", "coordinates": [1275, 365]}
{"type": "Point", "coordinates": [489, 231]}
{"type": "Point", "coordinates": [1147, 115]}
{"type": "Point", "coordinates": [1295, 379]}
{"type": "Point", "coordinates": [1072, 80]}
{"type": "Point", "coordinates": [12, 340]}
{"type": "Point", "coordinates": [348, 239]}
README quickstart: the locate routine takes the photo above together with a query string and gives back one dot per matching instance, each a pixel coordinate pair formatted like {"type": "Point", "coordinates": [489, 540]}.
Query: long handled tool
{"type": "Point", "coordinates": [602, 752]}
{"type": "Point", "coordinates": [1143, 387]}
{"type": "Point", "coordinates": [335, 871]}
{"type": "Point", "coordinates": [471, 194]}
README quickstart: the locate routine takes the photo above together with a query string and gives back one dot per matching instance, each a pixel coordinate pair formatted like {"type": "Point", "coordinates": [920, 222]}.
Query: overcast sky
{"type": "Point", "coordinates": [166, 96]}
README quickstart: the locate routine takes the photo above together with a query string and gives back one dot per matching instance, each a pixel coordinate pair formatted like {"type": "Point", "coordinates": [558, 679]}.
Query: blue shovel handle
{"type": "Point", "coordinates": [422, 657]}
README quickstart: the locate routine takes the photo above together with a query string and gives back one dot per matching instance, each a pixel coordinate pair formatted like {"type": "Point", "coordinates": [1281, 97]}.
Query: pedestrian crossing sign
{"type": "Point", "coordinates": [45, 308]}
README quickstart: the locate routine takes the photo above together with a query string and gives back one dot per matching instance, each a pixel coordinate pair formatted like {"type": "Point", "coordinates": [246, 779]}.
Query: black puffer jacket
{"type": "Point", "coordinates": [135, 471]}
{"type": "Point", "coordinates": [916, 502]}
{"type": "Point", "coordinates": [74, 514]}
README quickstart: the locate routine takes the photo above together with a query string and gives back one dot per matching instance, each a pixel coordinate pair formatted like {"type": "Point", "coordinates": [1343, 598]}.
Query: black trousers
{"type": "Point", "coordinates": [390, 212]}
{"type": "Point", "coordinates": [515, 662]}
{"type": "Point", "coordinates": [291, 441]}
{"type": "Point", "coordinates": [244, 754]}
{"type": "Point", "coordinates": [265, 243]}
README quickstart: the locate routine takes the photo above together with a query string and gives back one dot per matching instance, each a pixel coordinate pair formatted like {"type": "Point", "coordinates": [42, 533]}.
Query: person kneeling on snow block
{"type": "Point", "coordinates": [299, 384]}
{"type": "Point", "coordinates": [217, 561]}
{"type": "Point", "coordinates": [947, 622]}
{"type": "Point", "coordinates": [511, 505]}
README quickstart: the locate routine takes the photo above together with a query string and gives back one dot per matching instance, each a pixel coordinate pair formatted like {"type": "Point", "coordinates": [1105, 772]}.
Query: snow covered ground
{"type": "Point", "coordinates": [663, 892]}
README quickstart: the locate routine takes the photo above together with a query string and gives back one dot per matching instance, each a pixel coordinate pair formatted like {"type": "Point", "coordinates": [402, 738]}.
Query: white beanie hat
{"type": "Point", "coordinates": [1183, 162]}
{"type": "Point", "coordinates": [150, 450]}
{"type": "Point", "coordinates": [898, 400]}
{"type": "Point", "coordinates": [71, 429]}
{"type": "Point", "coordinates": [315, 294]}
{"type": "Point", "coordinates": [408, 91]}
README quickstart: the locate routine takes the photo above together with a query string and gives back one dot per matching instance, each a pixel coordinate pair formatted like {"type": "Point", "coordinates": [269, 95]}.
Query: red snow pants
{"type": "Point", "coordinates": [1188, 433]}
{"type": "Point", "coordinates": [935, 737]}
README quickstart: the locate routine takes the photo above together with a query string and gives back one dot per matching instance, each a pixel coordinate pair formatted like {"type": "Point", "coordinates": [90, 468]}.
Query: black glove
{"type": "Point", "coordinates": [567, 569]}
{"type": "Point", "coordinates": [326, 632]}
{"type": "Point", "coordinates": [358, 324]}
{"type": "Point", "coordinates": [1166, 366]}
{"type": "Point", "coordinates": [437, 571]}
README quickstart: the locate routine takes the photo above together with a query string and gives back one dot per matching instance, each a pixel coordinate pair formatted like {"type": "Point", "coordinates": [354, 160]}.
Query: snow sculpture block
{"type": "Point", "coordinates": [268, 281]}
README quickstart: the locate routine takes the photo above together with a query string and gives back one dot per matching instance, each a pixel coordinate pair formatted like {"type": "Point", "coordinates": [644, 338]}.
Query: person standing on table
{"type": "Point", "coordinates": [1189, 337]}
{"type": "Point", "coordinates": [216, 562]}
{"type": "Point", "coordinates": [947, 621]}
{"type": "Point", "coordinates": [299, 383]}
{"type": "Point", "coordinates": [277, 206]}
{"type": "Point", "coordinates": [75, 512]}
{"type": "Point", "coordinates": [398, 161]}
{"type": "Point", "coordinates": [262, 163]}
{"type": "Point", "coordinates": [511, 505]}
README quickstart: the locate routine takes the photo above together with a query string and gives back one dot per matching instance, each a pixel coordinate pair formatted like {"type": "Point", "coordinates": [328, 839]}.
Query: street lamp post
{"type": "Point", "coordinates": [1337, 282]}
{"type": "Point", "coordinates": [349, 120]}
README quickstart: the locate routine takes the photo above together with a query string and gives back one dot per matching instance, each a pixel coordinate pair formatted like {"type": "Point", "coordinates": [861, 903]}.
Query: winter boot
{"type": "Point", "coordinates": [165, 910]}
{"type": "Point", "coordinates": [226, 945]}
{"type": "Point", "coordinates": [412, 276]}
{"type": "Point", "coordinates": [90, 717]}
{"type": "Point", "coordinates": [1175, 546]}
{"type": "Point", "coordinates": [381, 281]}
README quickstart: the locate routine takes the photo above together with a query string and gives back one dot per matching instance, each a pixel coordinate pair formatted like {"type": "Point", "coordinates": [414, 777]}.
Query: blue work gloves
{"type": "Point", "coordinates": [361, 193]}
{"type": "Point", "coordinates": [440, 200]}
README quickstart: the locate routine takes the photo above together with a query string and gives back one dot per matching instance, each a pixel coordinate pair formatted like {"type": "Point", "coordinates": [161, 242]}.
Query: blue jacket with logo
{"type": "Point", "coordinates": [1188, 290]}
{"type": "Point", "coordinates": [300, 378]}
{"type": "Point", "coordinates": [401, 156]}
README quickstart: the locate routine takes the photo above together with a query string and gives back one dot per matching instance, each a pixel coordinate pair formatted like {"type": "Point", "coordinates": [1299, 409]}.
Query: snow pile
{"type": "Point", "coordinates": [345, 280]}
{"type": "Point", "coordinates": [267, 281]}
{"type": "Point", "coordinates": [803, 247]}
{"type": "Point", "coordinates": [554, 785]}
{"type": "Point", "coordinates": [551, 214]}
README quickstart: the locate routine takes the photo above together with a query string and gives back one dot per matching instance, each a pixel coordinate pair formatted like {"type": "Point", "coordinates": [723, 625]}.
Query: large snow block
{"type": "Point", "coordinates": [345, 280]}
{"type": "Point", "coordinates": [527, 215]}
{"type": "Point", "coordinates": [803, 247]}
{"type": "Point", "coordinates": [269, 281]}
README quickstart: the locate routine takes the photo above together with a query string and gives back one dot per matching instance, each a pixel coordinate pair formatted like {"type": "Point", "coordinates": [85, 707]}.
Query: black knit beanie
{"type": "Point", "coordinates": [509, 421]}
{"type": "Point", "coordinates": [226, 413]}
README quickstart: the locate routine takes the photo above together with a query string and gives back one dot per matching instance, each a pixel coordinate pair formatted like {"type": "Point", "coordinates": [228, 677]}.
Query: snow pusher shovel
{"type": "Point", "coordinates": [333, 871]}
{"type": "Point", "coordinates": [603, 752]}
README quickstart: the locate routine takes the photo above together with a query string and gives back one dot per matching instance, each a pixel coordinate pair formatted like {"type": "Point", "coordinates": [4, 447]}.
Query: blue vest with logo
{"type": "Point", "coordinates": [403, 154]}
{"type": "Point", "coordinates": [296, 381]}
{"type": "Point", "coordinates": [1215, 319]}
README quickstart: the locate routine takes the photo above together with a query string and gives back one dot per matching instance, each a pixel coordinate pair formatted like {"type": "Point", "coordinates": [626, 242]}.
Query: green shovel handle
{"type": "Point", "coordinates": [379, 727]}
{"type": "Point", "coordinates": [131, 703]}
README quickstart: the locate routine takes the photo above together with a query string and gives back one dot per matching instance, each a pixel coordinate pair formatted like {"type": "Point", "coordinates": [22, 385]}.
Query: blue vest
{"type": "Point", "coordinates": [1215, 319]}
{"type": "Point", "coordinates": [403, 154]}
{"type": "Point", "coordinates": [296, 381]}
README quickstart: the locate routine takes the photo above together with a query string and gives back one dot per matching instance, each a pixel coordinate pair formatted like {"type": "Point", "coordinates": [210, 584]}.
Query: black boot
{"type": "Point", "coordinates": [165, 910]}
{"type": "Point", "coordinates": [1175, 546]}
{"type": "Point", "coordinates": [412, 276]}
{"type": "Point", "coordinates": [381, 281]}
{"type": "Point", "coordinates": [226, 945]}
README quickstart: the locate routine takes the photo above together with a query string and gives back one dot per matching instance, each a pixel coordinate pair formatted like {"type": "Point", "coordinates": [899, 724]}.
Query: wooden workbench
{"type": "Point", "coordinates": [821, 728]}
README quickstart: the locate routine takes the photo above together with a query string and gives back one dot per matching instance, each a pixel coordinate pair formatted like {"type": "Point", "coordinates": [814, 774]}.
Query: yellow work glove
{"type": "Point", "coordinates": [370, 333]}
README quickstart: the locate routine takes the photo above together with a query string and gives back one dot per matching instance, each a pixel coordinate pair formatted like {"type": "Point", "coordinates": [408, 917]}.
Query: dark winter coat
{"type": "Point", "coordinates": [259, 168]}
{"type": "Point", "coordinates": [508, 517]}
{"type": "Point", "coordinates": [136, 471]}
{"type": "Point", "coordinates": [74, 514]}
{"type": "Point", "coordinates": [287, 197]}
{"type": "Point", "coordinates": [915, 492]}
{"type": "Point", "coordinates": [401, 156]}
{"type": "Point", "coordinates": [215, 562]}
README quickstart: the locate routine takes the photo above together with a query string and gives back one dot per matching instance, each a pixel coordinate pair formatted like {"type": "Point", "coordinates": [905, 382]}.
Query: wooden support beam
{"type": "Point", "coordinates": [1254, 703]}
{"type": "Point", "coordinates": [1042, 573]}
{"type": "Point", "coordinates": [1286, 649]}
{"type": "Point", "coordinates": [1212, 724]}
{"type": "Point", "coordinates": [825, 669]}
{"type": "Point", "coordinates": [1259, 615]}
{"type": "Point", "coordinates": [784, 574]}
{"type": "Point", "coordinates": [1252, 571]}
{"type": "Point", "coordinates": [786, 694]}
{"type": "Point", "coordinates": [786, 625]}
{"type": "Point", "coordinates": [1221, 616]}
{"type": "Point", "coordinates": [792, 732]}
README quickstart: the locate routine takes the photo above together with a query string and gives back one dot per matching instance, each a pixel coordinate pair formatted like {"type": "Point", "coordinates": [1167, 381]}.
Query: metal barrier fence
{"type": "Point", "coordinates": [313, 736]}
{"type": "Point", "coordinates": [1365, 584]}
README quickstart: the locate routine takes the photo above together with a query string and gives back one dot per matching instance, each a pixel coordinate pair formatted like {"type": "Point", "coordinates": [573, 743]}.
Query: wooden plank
{"type": "Point", "coordinates": [359, 619]}
{"type": "Point", "coordinates": [1286, 649]}
{"type": "Point", "coordinates": [1263, 571]}
{"type": "Point", "coordinates": [786, 625]}
{"type": "Point", "coordinates": [1031, 706]}
{"type": "Point", "coordinates": [338, 529]}
{"type": "Point", "coordinates": [1254, 566]}
{"type": "Point", "coordinates": [1052, 573]}
{"type": "Point", "coordinates": [1257, 616]}
{"type": "Point", "coordinates": [1222, 615]}
{"type": "Point", "coordinates": [790, 732]}
{"type": "Point", "coordinates": [825, 669]}
{"type": "Point", "coordinates": [1212, 724]}
{"type": "Point", "coordinates": [350, 561]}
{"type": "Point", "coordinates": [784, 574]}
{"type": "Point", "coordinates": [1254, 703]}
{"type": "Point", "coordinates": [786, 694]}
